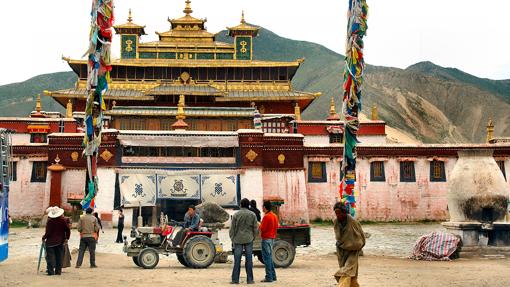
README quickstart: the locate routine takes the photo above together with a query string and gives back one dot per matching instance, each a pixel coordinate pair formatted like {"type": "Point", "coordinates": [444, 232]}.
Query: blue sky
{"type": "Point", "coordinates": [466, 34]}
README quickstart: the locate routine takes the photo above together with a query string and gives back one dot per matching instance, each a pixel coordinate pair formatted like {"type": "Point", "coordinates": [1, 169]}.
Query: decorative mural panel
{"type": "Point", "coordinates": [221, 189]}
{"type": "Point", "coordinates": [205, 56]}
{"type": "Point", "coordinates": [167, 55]}
{"type": "Point", "coordinates": [138, 189]}
{"type": "Point", "coordinates": [224, 56]}
{"type": "Point", "coordinates": [148, 55]}
{"type": "Point", "coordinates": [243, 48]}
{"type": "Point", "coordinates": [179, 187]}
{"type": "Point", "coordinates": [128, 49]}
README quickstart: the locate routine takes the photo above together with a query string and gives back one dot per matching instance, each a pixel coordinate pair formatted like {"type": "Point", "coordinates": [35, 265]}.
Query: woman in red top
{"type": "Point", "coordinates": [268, 229]}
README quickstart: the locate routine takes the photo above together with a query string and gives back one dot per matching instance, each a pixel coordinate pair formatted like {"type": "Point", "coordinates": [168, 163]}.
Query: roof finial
{"type": "Point", "coordinates": [69, 109]}
{"type": "Point", "coordinates": [188, 9]}
{"type": "Point", "coordinates": [374, 116]}
{"type": "Point", "coordinates": [180, 108]}
{"type": "Point", "coordinates": [297, 112]}
{"type": "Point", "coordinates": [332, 111]}
{"type": "Point", "coordinates": [490, 130]}
{"type": "Point", "coordinates": [242, 18]}
{"type": "Point", "coordinates": [130, 18]}
{"type": "Point", "coordinates": [38, 104]}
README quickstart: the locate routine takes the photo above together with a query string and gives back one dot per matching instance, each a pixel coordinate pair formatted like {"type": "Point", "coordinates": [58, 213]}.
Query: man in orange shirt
{"type": "Point", "coordinates": [268, 233]}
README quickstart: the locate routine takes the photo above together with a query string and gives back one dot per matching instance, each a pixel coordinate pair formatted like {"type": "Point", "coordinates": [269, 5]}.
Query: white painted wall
{"type": "Point", "coordinates": [106, 190]}
{"type": "Point", "coordinates": [252, 185]}
{"type": "Point", "coordinates": [26, 198]}
{"type": "Point", "coordinates": [20, 139]}
{"type": "Point", "coordinates": [316, 140]}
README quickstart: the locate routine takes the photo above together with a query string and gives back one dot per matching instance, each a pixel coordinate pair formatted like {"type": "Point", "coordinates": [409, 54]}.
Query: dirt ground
{"type": "Point", "coordinates": [314, 265]}
{"type": "Point", "coordinates": [118, 270]}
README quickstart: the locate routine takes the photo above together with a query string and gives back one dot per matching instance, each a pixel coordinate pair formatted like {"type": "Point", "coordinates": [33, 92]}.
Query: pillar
{"type": "Point", "coordinates": [56, 183]}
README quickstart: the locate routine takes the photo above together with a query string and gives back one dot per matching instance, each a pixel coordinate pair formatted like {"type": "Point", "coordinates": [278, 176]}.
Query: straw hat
{"type": "Point", "coordinates": [55, 212]}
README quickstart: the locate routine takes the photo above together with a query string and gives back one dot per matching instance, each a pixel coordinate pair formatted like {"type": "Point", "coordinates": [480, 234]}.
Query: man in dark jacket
{"type": "Point", "coordinates": [243, 230]}
{"type": "Point", "coordinates": [57, 232]}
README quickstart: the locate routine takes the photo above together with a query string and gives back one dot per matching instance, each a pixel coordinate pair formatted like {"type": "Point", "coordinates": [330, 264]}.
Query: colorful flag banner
{"type": "Point", "coordinates": [99, 67]}
{"type": "Point", "coordinates": [353, 80]}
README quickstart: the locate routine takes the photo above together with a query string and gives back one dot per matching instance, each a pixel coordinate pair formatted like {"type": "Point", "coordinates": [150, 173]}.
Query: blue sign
{"type": "Point", "coordinates": [4, 223]}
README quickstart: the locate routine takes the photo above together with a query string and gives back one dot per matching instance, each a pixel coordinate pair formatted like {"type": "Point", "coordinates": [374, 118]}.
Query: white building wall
{"type": "Point", "coordinates": [106, 190]}
{"type": "Point", "coordinates": [316, 140]}
{"type": "Point", "coordinates": [20, 139]}
{"type": "Point", "coordinates": [26, 198]}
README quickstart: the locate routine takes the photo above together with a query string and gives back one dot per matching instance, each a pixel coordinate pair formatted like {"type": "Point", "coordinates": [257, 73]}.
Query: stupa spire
{"type": "Point", "coordinates": [188, 9]}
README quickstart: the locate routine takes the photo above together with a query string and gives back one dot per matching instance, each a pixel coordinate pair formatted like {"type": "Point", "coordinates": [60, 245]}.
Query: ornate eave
{"type": "Point", "coordinates": [192, 63]}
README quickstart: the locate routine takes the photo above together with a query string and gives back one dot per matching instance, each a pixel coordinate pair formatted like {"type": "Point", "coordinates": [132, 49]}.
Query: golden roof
{"type": "Point", "coordinates": [243, 27]}
{"type": "Point", "coordinates": [187, 28]}
{"type": "Point", "coordinates": [130, 25]}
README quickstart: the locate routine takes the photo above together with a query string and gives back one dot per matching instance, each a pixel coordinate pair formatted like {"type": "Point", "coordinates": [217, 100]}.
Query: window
{"type": "Point", "coordinates": [437, 171]}
{"type": "Point", "coordinates": [501, 164]}
{"type": "Point", "coordinates": [317, 172]}
{"type": "Point", "coordinates": [39, 169]}
{"type": "Point", "coordinates": [377, 171]}
{"type": "Point", "coordinates": [38, 138]}
{"type": "Point", "coordinates": [14, 171]}
{"type": "Point", "coordinates": [336, 138]}
{"type": "Point", "coordinates": [407, 173]}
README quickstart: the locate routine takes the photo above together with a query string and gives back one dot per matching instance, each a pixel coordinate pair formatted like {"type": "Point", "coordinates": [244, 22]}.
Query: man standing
{"type": "Point", "coordinates": [120, 227]}
{"type": "Point", "coordinates": [243, 230]}
{"type": "Point", "coordinates": [268, 229]}
{"type": "Point", "coordinates": [57, 232]}
{"type": "Point", "coordinates": [350, 239]}
{"type": "Point", "coordinates": [88, 228]}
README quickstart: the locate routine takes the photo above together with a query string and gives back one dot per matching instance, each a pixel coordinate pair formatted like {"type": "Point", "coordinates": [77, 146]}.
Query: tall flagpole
{"type": "Point", "coordinates": [99, 67]}
{"type": "Point", "coordinates": [353, 80]}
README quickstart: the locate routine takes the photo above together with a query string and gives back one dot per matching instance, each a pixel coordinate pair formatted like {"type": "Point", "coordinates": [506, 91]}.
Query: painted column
{"type": "Point", "coordinates": [56, 183]}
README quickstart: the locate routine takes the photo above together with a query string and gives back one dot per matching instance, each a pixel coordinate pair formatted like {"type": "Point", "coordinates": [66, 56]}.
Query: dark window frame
{"type": "Point", "coordinates": [373, 168]}
{"type": "Point", "coordinates": [437, 171]}
{"type": "Point", "coordinates": [501, 164]}
{"type": "Point", "coordinates": [336, 138]}
{"type": "Point", "coordinates": [39, 171]}
{"type": "Point", "coordinates": [311, 178]}
{"type": "Point", "coordinates": [14, 171]}
{"type": "Point", "coordinates": [407, 171]}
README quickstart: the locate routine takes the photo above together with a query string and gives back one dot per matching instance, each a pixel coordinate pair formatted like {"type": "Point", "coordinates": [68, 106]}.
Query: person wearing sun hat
{"type": "Point", "coordinates": [57, 232]}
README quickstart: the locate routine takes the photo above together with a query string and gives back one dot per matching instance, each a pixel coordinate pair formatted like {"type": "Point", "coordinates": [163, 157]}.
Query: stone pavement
{"type": "Point", "coordinates": [393, 240]}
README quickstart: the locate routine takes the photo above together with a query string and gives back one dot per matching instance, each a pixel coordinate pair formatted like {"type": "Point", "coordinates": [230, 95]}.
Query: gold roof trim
{"type": "Point", "coordinates": [192, 63]}
{"type": "Point", "coordinates": [130, 24]}
{"type": "Point", "coordinates": [243, 26]}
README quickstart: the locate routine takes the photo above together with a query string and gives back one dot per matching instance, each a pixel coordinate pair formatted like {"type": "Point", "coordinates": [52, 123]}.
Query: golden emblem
{"type": "Point", "coordinates": [129, 47]}
{"type": "Point", "coordinates": [74, 156]}
{"type": "Point", "coordinates": [185, 77]}
{"type": "Point", "coordinates": [281, 158]}
{"type": "Point", "coordinates": [106, 155]}
{"type": "Point", "coordinates": [243, 47]}
{"type": "Point", "coordinates": [251, 155]}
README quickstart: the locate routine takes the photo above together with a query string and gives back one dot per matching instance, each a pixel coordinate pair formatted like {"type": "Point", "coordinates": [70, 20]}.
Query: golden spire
{"type": "Point", "coordinates": [130, 19]}
{"type": "Point", "coordinates": [374, 116]}
{"type": "Point", "coordinates": [188, 9]}
{"type": "Point", "coordinates": [180, 109]}
{"type": "Point", "coordinates": [297, 112]}
{"type": "Point", "coordinates": [38, 104]}
{"type": "Point", "coordinates": [69, 109]}
{"type": "Point", "coordinates": [242, 18]}
{"type": "Point", "coordinates": [490, 130]}
{"type": "Point", "coordinates": [332, 111]}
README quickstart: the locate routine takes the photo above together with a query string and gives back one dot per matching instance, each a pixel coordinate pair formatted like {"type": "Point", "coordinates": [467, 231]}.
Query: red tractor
{"type": "Point", "coordinates": [194, 249]}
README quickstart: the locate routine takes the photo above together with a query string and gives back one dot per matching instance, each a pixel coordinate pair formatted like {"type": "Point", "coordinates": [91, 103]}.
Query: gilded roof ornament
{"type": "Point", "coordinates": [188, 9]}
{"type": "Point", "coordinates": [130, 18]}
{"type": "Point", "coordinates": [490, 130]}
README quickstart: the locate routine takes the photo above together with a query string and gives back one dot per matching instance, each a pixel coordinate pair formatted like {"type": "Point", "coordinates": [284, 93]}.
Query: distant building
{"type": "Point", "coordinates": [191, 119]}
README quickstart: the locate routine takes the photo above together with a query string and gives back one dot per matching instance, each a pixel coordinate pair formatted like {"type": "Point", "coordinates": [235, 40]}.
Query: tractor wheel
{"type": "Point", "coordinates": [181, 259]}
{"type": "Point", "coordinates": [199, 252]}
{"type": "Point", "coordinates": [135, 260]}
{"type": "Point", "coordinates": [283, 254]}
{"type": "Point", "coordinates": [148, 258]}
